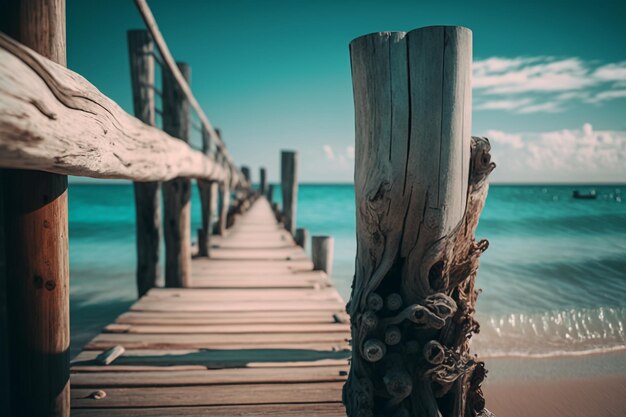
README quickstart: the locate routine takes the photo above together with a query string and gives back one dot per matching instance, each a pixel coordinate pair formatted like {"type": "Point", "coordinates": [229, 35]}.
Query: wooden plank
{"type": "Point", "coordinates": [210, 395]}
{"type": "Point", "coordinates": [328, 293]}
{"type": "Point", "coordinates": [319, 341]}
{"type": "Point", "coordinates": [181, 328]}
{"type": "Point", "coordinates": [275, 305]}
{"type": "Point", "coordinates": [254, 318]}
{"type": "Point", "coordinates": [103, 380]}
{"type": "Point", "coordinates": [194, 359]}
{"type": "Point", "coordinates": [256, 410]}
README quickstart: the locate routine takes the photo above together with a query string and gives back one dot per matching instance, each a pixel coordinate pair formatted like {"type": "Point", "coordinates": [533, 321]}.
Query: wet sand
{"type": "Point", "coordinates": [579, 386]}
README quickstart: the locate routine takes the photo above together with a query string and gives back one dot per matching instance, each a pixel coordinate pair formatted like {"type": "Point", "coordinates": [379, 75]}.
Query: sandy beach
{"type": "Point", "coordinates": [575, 386]}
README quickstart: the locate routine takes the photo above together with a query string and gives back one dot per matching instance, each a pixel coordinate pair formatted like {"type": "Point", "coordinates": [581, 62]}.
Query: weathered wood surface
{"type": "Point", "coordinates": [322, 252]}
{"type": "Point", "coordinates": [289, 188]}
{"type": "Point", "coordinates": [36, 220]}
{"type": "Point", "coordinates": [262, 181]}
{"type": "Point", "coordinates": [52, 119]}
{"type": "Point", "coordinates": [252, 332]}
{"type": "Point", "coordinates": [301, 237]}
{"type": "Point", "coordinates": [177, 191]}
{"type": "Point", "coordinates": [420, 187]}
{"type": "Point", "coordinates": [234, 175]}
{"type": "Point", "coordinates": [208, 201]}
{"type": "Point", "coordinates": [147, 194]}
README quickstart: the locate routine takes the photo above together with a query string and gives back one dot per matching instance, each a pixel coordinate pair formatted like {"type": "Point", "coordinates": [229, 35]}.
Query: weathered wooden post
{"type": "Point", "coordinates": [262, 181]}
{"type": "Point", "coordinates": [322, 250]}
{"type": "Point", "coordinates": [224, 205]}
{"type": "Point", "coordinates": [301, 236]}
{"type": "Point", "coordinates": [270, 194]}
{"type": "Point", "coordinates": [420, 182]}
{"type": "Point", "coordinates": [147, 194]}
{"type": "Point", "coordinates": [246, 172]}
{"type": "Point", "coordinates": [176, 192]}
{"type": "Point", "coordinates": [289, 188]}
{"type": "Point", "coordinates": [208, 203]}
{"type": "Point", "coordinates": [37, 247]}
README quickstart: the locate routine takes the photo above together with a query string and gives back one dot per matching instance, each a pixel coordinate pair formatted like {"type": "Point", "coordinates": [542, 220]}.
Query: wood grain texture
{"type": "Point", "coordinates": [289, 188]}
{"type": "Point", "coordinates": [36, 220]}
{"type": "Point", "coordinates": [177, 192]}
{"type": "Point", "coordinates": [419, 182]}
{"type": "Point", "coordinates": [53, 120]}
{"type": "Point", "coordinates": [256, 410]}
{"type": "Point", "coordinates": [147, 194]}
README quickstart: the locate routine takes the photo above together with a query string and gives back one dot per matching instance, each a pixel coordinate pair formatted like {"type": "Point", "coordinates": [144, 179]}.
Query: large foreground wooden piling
{"type": "Point", "coordinates": [177, 192]}
{"type": "Point", "coordinates": [37, 247]}
{"type": "Point", "coordinates": [147, 194]}
{"type": "Point", "coordinates": [289, 188]}
{"type": "Point", "coordinates": [420, 187]}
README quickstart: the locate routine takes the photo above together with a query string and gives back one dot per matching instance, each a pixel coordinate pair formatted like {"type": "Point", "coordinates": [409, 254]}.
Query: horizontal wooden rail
{"type": "Point", "coordinates": [168, 60]}
{"type": "Point", "coordinates": [52, 119]}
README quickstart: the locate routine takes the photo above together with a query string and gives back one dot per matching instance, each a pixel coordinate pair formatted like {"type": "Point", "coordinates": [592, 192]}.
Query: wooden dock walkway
{"type": "Point", "coordinates": [259, 334]}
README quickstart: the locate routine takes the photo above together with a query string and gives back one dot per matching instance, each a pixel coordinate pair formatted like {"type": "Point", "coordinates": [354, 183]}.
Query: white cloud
{"type": "Point", "coordinates": [350, 152]}
{"type": "Point", "coordinates": [544, 83]}
{"type": "Point", "coordinates": [328, 151]}
{"type": "Point", "coordinates": [581, 154]}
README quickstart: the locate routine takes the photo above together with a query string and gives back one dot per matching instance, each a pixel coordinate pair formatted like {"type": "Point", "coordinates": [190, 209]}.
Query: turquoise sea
{"type": "Point", "coordinates": [553, 279]}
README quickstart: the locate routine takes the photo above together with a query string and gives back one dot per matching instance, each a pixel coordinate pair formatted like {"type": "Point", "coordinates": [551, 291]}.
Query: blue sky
{"type": "Point", "coordinates": [549, 79]}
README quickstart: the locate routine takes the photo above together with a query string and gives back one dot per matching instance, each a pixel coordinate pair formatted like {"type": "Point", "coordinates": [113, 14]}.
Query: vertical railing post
{"type": "Point", "coordinates": [147, 194]}
{"type": "Point", "coordinates": [322, 250]}
{"type": "Point", "coordinates": [36, 233]}
{"type": "Point", "coordinates": [224, 204]}
{"type": "Point", "coordinates": [301, 237]}
{"type": "Point", "coordinates": [420, 186]}
{"type": "Point", "coordinates": [289, 188]}
{"type": "Point", "coordinates": [176, 192]}
{"type": "Point", "coordinates": [262, 181]}
{"type": "Point", "coordinates": [208, 203]}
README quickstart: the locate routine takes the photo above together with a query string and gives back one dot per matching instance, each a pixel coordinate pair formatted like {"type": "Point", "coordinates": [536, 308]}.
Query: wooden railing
{"type": "Point", "coordinates": [55, 123]}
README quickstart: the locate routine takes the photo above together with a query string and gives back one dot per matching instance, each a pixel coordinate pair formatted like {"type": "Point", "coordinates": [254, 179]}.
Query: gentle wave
{"type": "Point", "coordinates": [561, 333]}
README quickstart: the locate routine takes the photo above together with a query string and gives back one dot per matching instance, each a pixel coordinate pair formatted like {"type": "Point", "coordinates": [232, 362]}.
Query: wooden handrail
{"type": "Point", "coordinates": [168, 60]}
{"type": "Point", "coordinates": [54, 120]}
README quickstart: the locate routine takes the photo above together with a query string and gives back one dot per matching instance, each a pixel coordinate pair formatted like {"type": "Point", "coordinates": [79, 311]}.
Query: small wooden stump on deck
{"type": "Point", "coordinates": [177, 192]}
{"type": "Point", "coordinates": [420, 184]}
{"type": "Point", "coordinates": [289, 188]}
{"type": "Point", "coordinates": [322, 250]}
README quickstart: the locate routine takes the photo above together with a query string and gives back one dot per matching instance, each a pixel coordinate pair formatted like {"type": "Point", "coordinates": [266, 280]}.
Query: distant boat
{"type": "Point", "coordinates": [591, 195]}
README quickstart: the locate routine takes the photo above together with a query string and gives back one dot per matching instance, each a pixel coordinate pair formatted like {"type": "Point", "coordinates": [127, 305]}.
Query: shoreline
{"type": "Point", "coordinates": [593, 385]}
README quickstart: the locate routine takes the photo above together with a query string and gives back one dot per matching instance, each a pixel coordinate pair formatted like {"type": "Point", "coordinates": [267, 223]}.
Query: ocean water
{"type": "Point", "coordinates": [553, 279]}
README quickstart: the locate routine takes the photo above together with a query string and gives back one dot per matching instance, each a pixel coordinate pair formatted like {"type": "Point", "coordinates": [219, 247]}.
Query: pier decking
{"type": "Point", "coordinates": [259, 334]}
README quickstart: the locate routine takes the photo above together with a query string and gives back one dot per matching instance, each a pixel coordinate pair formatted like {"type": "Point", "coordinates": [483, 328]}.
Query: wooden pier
{"type": "Point", "coordinates": [259, 333]}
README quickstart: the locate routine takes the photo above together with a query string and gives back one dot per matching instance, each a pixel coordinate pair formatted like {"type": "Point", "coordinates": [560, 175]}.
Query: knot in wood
{"type": "Point", "coordinates": [434, 352]}
{"type": "Point", "coordinates": [373, 350]}
{"type": "Point", "coordinates": [393, 335]}
{"type": "Point", "coordinates": [375, 302]}
{"type": "Point", "coordinates": [393, 301]}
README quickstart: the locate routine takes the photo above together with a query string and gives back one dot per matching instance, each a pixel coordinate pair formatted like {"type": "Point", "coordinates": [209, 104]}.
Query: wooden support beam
{"type": "Point", "coordinates": [223, 209]}
{"type": "Point", "coordinates": [147, 194]}
{"type": "Point", "coordinates": [69, 118]}
{"type": "Point", "coordinates": [177, 192]}
{"type": "Point", "coordinates": [301, 236]}
{"type": "Point", "coordinates": [36, 236]}
{"type": "Point", "coordinates": [420, 187]}
{"type": "Point", "coordinates": [322, 251]}
{"type": "Point", "coordinates": [262, 181]}
{"type": "Point", "coordinates": [246, 173]}
{"type": "Point", "coordinates": [289, 188]}
{"type": "Point", "coordinates": [208, 203]}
